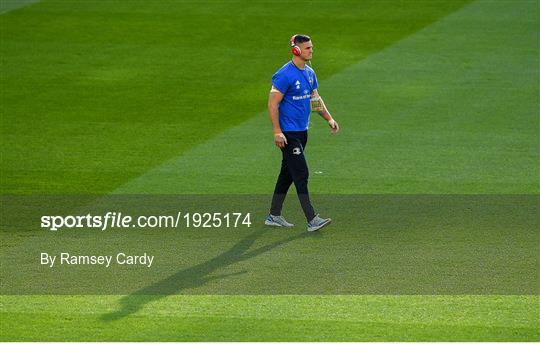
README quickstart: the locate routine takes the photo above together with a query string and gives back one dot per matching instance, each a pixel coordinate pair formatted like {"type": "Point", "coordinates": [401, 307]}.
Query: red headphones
{"type": "Point", "coordinates": [294, 48]}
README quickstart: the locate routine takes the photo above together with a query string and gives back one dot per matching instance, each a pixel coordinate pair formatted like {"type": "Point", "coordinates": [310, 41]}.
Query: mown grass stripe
{"type": "Point", "coordinates": [11, 5]}
{"type": "Point", "coordinates": [451, 109]}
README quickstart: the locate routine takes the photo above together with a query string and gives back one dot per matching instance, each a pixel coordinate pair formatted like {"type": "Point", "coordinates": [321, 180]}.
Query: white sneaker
{"type": "Point", "coordinates": [317, 223]}
{"type": "Point", "coordinates": [278, 221]}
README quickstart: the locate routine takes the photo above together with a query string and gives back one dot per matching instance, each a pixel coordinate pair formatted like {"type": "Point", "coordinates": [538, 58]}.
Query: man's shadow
{"type": "Point", "coordinates": [195, 276]}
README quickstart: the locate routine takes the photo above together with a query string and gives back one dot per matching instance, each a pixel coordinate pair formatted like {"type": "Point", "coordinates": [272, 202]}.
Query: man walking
{"type": "Point", "coordinates": [292, 98]}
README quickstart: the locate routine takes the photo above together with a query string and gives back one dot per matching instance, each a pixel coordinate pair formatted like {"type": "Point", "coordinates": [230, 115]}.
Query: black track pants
{"type": "Point", "coordinates": [294, 169]}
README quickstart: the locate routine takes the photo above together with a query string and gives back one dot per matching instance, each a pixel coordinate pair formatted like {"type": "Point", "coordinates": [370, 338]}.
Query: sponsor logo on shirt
{"type": "Point", "coordinates": [305, 96]}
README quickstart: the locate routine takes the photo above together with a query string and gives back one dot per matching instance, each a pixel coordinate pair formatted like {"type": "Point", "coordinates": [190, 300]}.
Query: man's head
{"type": "Point", "coordinates": [302, 47]}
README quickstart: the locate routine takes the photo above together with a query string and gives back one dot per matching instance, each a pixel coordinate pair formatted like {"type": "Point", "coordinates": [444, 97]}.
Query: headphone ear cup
{"type": "Point", "coordinates": [296, 50]}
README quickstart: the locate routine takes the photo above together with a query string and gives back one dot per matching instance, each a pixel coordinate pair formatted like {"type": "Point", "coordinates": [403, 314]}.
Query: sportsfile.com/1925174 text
{"type": "Point", "coordinates": [119, 220]}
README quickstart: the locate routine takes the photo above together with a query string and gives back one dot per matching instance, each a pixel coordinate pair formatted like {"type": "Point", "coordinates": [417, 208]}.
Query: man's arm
{"type": "Point", "coordinates": [325, 113]}
{"type": "Point", "coordinates": [274, 99]}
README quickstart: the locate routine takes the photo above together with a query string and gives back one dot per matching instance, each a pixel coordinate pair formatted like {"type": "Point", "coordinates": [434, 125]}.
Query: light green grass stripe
{"type": "Point", "coordinates": [279, 318]}
{"type": "Point", "coordinates": [109, 104]}
{"type": "Point", "coordinates": [460, 309]}
{"type": "Point", "coordinates": [451, 109]}
{"type": "Point", "coordinates": [10, 5]}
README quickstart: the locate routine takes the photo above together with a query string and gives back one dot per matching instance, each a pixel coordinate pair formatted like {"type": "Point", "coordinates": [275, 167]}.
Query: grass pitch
{"type": "Point", "coordinates": [169, 97]}
{"type": "Point", "coordinates": [277, 318]}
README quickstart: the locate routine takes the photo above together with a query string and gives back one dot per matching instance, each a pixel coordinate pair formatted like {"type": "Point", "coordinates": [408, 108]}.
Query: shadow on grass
{"type": "Point", "coordinates": [195, 276]}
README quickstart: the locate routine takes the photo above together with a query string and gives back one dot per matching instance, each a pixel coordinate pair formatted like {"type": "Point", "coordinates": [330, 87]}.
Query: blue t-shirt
{"type": "Point", "coordinates": [297, 86]}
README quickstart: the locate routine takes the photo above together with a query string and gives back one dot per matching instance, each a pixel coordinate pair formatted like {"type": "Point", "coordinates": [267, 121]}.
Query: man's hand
{"type": "Point", "coordinates": [334, 126]}
{"type": "Point", "coordinates": [280, 140]}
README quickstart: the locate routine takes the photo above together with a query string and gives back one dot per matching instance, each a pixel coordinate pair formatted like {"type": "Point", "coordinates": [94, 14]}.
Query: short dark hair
{"type": "Point", "coordinates": [301, 39]}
